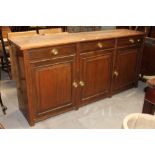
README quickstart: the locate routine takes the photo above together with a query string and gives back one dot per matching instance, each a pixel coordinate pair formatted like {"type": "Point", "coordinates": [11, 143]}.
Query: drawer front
{"type": "Point", "coordinates": [130, 41]}
{"type": "Point", "coordinates": [97, 45]}
{"type": "Point", "coordinates": [52, 52]}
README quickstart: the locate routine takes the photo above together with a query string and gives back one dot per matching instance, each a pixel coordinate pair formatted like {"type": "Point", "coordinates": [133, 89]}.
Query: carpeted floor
{"type": "Point", "coordinates": [104, 114]}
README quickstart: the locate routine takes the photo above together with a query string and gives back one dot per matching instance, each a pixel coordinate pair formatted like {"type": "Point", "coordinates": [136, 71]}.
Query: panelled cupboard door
{"type": "Point", "coordinates": [53, 80]}
{"type": "Point", "coordinates": [95, 75]}
{"type": "Point", "coordinates": [125, 72]}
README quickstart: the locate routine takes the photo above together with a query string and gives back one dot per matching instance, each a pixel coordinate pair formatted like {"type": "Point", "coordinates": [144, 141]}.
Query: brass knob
{"type": "Point", "coordinates": [81, 83]}
{"type": "Point", "coordinates": [75, 84]}
{"type": "Point", "coordinates": [131, 41]}
{"type": "Point", "coordinates": [116, 73]}
{"type": "Point", "coordinates": [138, 40]}
{"type": "Point", "coordinates": [54, 51]}
{"type": "Point", "coordinates": [99, 44]}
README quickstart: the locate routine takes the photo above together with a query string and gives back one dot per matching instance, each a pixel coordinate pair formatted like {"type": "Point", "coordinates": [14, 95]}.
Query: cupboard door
{"type": "Point", "coordinates": [95, 77]}
{"type": "Point", "coordinates": [125, 73]}
{"type": "Point", "coordinates": [53, 82]}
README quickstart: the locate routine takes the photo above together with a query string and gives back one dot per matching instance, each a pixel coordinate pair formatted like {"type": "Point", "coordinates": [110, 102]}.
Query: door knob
{"type": "Point", "coordinates": [116, 73]}
{"type": "Point", "coordinates": [75, 84]}
{"type": "Point", "coordinates": [54, 51]}
{"type": "Point", "coordinates": [81, 83]}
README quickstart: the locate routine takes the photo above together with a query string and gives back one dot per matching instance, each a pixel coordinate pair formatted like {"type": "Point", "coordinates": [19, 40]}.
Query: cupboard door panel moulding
{"type": "Point", "coordinates": [95, 74]}
{"type": "Point", "coordinates": [58, 88]}
{"type": "Point", "coordinates": [126, 68]}
{"type": "Point", "coordinates": [54, 92]}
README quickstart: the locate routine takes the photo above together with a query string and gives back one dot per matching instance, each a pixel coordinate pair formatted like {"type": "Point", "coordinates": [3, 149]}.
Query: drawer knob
{"type": "Point", "coordinates": [81, 83]}
{"type": "Point", "coordinates": [138, 40]}
{"type": "Point", "coordinates": [75, 84]}
{"type": "Point", "coordinates": [99, 44]}
{"type": "Point", "coordinates": [131, 41]}
{"type": "Point", "coordinates": [116, 73]}
{"type": "Point", "coordinates": [54, 51]}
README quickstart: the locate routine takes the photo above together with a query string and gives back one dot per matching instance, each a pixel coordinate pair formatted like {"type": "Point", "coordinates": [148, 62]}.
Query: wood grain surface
{"type": "Point", "coordinates": [29, 42]}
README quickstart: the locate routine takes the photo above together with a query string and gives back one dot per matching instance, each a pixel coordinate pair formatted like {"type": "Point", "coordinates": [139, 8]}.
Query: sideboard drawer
{"type": "Point", "coordinates": [130, 41]}
{"type": "Point", "coordinates": [52, 52]}
{"type": "Point", "coordinates": [96, 45]}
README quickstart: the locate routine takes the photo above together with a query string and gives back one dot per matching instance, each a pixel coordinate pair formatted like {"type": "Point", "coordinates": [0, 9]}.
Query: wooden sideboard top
{"type": "Point", "coordinates": [37, 40]}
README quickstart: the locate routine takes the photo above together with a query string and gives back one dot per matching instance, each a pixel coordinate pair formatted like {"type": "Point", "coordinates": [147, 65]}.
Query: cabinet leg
{"type": "Point", "coordinates": [4, 108]}
{"type": "Point", "coordinates": [148, 108]}
{"type": "Point", "coordinates": [136, 84]}
{"type": "Point", "coordinates": [31, 123]}
{"type": "Point", "coordinates": [76, 108]}
{"type": "Point", "coordinates": [110, 95]}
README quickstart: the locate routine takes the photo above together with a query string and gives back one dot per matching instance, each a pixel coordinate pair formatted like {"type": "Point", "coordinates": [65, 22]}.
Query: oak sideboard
{"type": "Point", "coordinates": [61, 72]}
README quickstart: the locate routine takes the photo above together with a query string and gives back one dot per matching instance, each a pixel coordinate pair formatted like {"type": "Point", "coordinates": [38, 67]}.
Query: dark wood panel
{"type": "Point", "coordinates": [53, 92]}
{"type": "Point", "coordinates": [97, 45]}
{"type": "Point", "coordinates": [21, 87]}
{"type": "Point", "coordinates": [126, 68]}
{"type": "Point", "coordinates": [152, 32]}
{"type": "Point", "coordinates": [149, 101]}
{"type": "Point", "coordinates": [130, 41]}
{"type": "Point", "coordinates": [54, 87]}
{"type": "Point", "coordinates": [148, 58]}
{"type": "Point", "coordinates": [52, 52]}
{"type": "Point", "coordinates": [95, 73]}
